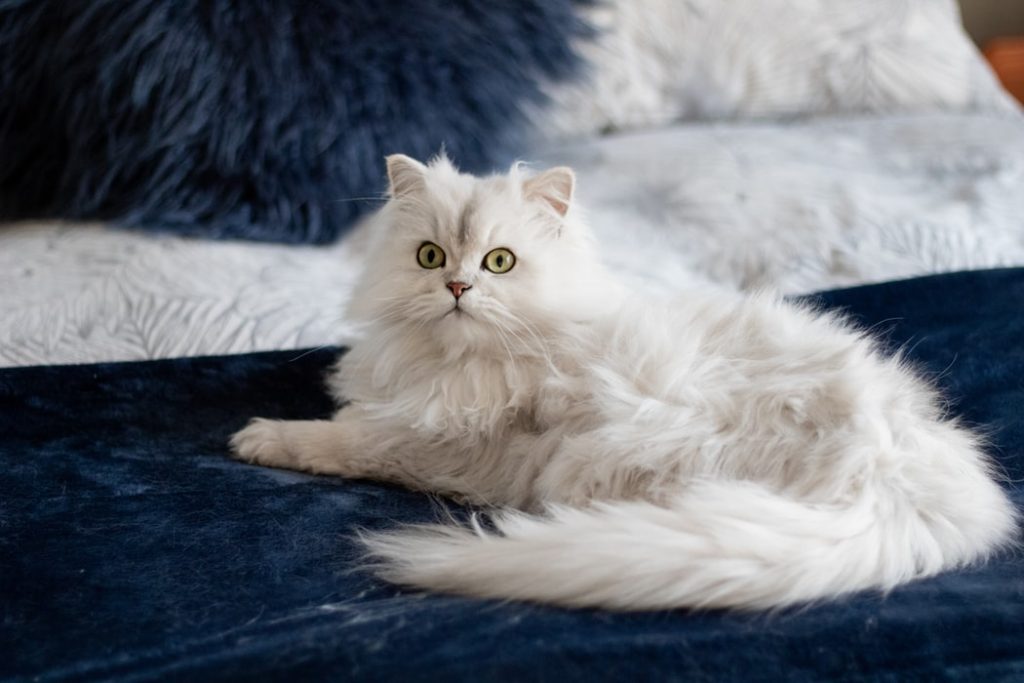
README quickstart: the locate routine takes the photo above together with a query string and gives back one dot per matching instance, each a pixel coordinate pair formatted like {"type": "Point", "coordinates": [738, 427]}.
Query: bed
{"type": "Point", "coordinates": [133, 549]}
{"type": "Point", "coordinates": [874, 168]}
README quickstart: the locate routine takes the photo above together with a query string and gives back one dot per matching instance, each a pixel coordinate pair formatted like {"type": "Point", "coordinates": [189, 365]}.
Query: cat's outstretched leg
{"type": "Point", "coordinates": [349, 447]}
{"type": "Point", "coordinates": [346, 447]}
{"type": "Point", "coordinates": [340, 447]}
{"type": "Point", "coordinates": [309, 445]}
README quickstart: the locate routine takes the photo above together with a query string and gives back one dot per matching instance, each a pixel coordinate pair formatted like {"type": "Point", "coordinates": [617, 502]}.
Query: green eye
{"type": "Point", "coordinates": [430, 255]}
{"type": "Point", "coordinates": [499, 260]}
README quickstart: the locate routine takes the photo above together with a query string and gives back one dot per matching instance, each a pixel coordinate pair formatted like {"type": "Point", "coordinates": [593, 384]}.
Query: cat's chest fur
{"type": "Point", "coordinates": [471, 397]}
{"type": "Point", "coordinates": [474, 397]}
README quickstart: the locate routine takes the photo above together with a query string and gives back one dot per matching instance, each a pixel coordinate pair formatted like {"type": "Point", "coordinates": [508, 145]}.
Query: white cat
{"type": "Point", "coordinates": [709, 451]}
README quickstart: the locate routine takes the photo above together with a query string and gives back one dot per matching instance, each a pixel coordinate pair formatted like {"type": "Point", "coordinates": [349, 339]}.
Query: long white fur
{"type": "Point", "coordinates": [708, 451]}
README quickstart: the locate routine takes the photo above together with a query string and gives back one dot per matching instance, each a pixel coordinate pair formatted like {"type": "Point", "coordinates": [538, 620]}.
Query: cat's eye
{"type": "Point", "coordinates": [430, 255]}
{"type": "Point", "coordinates": [499, 260]}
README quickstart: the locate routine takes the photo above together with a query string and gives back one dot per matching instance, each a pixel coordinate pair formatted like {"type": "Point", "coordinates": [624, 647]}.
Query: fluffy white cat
{"type": "Point", "coordinates": [708, 451]}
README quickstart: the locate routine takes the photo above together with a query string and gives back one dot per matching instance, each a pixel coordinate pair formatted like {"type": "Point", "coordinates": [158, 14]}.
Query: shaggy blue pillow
{"type": "Point", "coordinates": [260, 119]}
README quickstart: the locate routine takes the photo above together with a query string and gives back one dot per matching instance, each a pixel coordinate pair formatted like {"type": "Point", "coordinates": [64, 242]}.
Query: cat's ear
{"type": "Point", "coordinates": [554, 186]}
{"type": "Point", "coordinates": [405, 175]}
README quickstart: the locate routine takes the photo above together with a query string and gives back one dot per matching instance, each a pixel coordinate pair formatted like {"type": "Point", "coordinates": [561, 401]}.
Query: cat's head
{"type": "Point", "coordinates": [475, 262]}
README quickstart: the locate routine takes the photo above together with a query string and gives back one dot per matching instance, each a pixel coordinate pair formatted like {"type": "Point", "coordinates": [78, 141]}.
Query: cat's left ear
{"type": "Point", "coordinates": [554, 186]}
{"type": "Point", "coordinates": [405, 175]}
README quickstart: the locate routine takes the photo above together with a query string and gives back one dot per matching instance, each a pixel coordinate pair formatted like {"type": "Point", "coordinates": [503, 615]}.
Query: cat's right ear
{"type": "Point", "coordinates": [554, 187]}
{"type": "Point", "coordinates": [405, 175]}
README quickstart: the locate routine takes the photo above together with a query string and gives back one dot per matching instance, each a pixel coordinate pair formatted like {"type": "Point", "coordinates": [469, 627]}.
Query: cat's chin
{"type": "Point", "coordinates": [458, 323]}
{"type": "Point", "coordinates": [462, 329]}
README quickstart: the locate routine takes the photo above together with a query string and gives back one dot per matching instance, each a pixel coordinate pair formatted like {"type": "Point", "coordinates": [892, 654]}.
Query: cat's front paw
{"type": "Point", "coordinates": [261, 442]}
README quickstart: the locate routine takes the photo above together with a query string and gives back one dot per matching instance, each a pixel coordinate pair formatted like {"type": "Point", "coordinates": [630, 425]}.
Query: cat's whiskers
{"type": "Point", "coordinates": [399, 311]}
{"type": "Point", "coordinates": [358, 199]}
{"type": "Point", "coordinates": [541, 347]}
{"type": "Point", "coordinates": [501, 330]}
{"type": "Point", "coordinates": [309, 351]}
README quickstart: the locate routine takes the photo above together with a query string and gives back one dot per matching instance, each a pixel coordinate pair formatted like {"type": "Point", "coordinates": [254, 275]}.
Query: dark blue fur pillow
{"type": "Point", "coordinates": [260, 119]}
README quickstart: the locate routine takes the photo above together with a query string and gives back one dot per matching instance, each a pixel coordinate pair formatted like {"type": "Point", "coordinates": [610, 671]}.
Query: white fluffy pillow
{"type": "Point", "coordinates": [658, 61]}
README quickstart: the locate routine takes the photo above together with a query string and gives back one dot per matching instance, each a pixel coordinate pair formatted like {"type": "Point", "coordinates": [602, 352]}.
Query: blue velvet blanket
{"type": "Point", "coordinates": [131, 547]}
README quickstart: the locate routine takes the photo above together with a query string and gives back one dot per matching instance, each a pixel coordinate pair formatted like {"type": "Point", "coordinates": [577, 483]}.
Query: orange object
{"type": "Point", "coordinates": [1006, 55]}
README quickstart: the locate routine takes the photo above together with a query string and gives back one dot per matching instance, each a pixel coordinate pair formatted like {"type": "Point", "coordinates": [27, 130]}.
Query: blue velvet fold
{"type": "Point", "coordinates": [132, 547]}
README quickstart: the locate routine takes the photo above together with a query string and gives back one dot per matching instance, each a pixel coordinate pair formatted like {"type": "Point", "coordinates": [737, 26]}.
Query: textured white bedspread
{"type": "Point", "coordinates": [797, 207]}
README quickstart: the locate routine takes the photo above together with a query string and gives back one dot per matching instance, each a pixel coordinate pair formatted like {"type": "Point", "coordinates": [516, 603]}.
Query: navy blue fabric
{"type": "Point", "coordinates": [259, 119]}
{"type": "Point", "coordinates": [132, 547]}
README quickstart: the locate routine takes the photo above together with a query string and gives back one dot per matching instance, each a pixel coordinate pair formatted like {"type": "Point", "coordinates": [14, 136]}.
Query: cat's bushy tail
{"type": "Point", "coordinates": [719, 544]}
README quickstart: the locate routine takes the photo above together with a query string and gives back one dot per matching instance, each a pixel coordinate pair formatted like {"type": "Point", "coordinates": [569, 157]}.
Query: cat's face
{"type": "Point", "coordinates": [477, 262]}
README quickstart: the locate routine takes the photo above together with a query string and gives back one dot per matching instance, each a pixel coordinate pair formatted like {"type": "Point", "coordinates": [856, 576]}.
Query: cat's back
{"type": "Point", "coordinates": [710, 340]}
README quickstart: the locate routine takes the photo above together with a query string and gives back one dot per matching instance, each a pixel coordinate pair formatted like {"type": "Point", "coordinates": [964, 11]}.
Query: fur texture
{"type": "Point", "coordinates": [705, 451]}
{"type": "Point", "coordinates": [265, 119]}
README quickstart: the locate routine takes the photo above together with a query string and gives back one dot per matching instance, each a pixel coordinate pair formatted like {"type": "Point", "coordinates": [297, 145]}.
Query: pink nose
{"type": "Point", "coordinates": [458, 288]}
